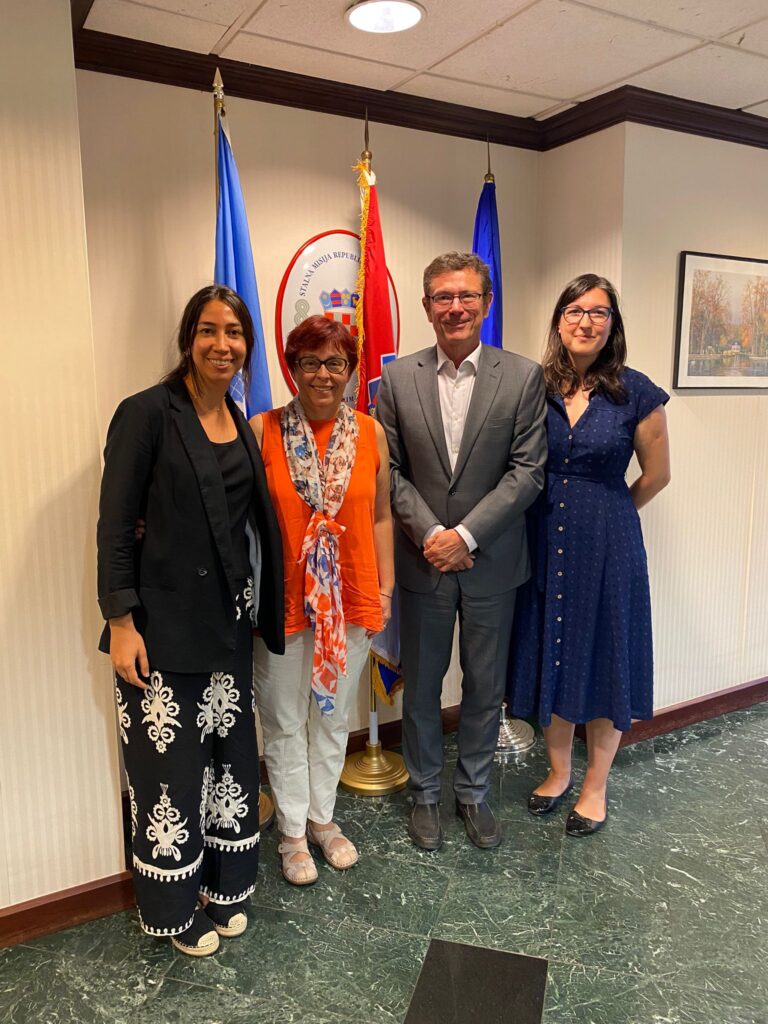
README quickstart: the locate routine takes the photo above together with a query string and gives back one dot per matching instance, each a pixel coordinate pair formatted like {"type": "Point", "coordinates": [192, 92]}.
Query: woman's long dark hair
{"type": "Point", "coordinates": [604, 375]}
{"type": "Point", "coordinates": [188, 328]}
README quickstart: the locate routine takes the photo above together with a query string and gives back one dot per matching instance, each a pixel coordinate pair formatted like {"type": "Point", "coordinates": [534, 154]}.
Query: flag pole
{"type": "Point", "coordinates": [266, 806]}
{"type": "Point", "coordinates": [489, 175]}
{"type": "Point", "coordinates": [375, 772]}
{"type": "Point", "coordinates": [218, 112]}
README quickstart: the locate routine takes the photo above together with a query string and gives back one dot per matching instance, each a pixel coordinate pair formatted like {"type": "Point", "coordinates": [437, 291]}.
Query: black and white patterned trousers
{"type": "Point", "coordinates": [190, 752]}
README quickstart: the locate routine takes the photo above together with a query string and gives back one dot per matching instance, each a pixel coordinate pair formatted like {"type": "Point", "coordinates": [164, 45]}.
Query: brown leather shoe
{"type": "Point", "coordinates": [424, 826]}
{"type": "Point", "coordinates": [481, 825]}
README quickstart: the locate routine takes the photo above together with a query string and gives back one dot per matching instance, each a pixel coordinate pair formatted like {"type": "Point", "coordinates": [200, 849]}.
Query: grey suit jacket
{"type": "Point", "coordinates": [499, 470]}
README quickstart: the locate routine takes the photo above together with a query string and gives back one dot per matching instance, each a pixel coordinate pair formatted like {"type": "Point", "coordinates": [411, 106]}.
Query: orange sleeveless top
{"type": "Point", "coordinates": [359, 576]}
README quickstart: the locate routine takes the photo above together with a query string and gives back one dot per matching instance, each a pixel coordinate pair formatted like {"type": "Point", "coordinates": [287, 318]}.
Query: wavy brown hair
{"type": "Point", "coordinates": [604, 375]}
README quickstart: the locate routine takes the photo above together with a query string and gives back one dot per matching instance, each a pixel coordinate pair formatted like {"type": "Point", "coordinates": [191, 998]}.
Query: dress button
{"type": "Point", "coordinates": [558, 641]}
{"type": "Point", "coordinates": [559, 597]}
{"type": "Point", "coordinates": [559, 618]}
{"type": "Point", "coordinates": [560, 529]}
{"type": "Point", "coordinates": [559, 551]}
{"type": "Point", "coordinates": [566, 460]}
{"type": "Point", "coordinates": [560, 572]}
{"type": "Point", "coordinates": [562, 504]}
{"type": "Point", "coordinates": [202, 572]}
{"type": "Point", "coordinates": [557, 664]}
{"type": "Point", "coordinates": [565, 481]}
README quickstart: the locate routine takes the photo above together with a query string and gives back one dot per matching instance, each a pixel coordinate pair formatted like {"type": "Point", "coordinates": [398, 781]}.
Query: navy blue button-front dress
{"type": "Point", "coordinates": [582, 645]}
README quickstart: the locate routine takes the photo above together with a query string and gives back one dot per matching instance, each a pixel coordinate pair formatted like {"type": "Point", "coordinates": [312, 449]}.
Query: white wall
{"type": "Point", "coordinates": [707, 536]}
{"type": "Point", "coordinates": [59, 789]}
{"type": "Point", "coordinates": [624, 203]}
{"type": "Point", "coordinates": [149, 192]}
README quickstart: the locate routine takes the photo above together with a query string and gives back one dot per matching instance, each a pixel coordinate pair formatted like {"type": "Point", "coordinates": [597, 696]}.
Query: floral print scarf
{"type": "Point", "coordinates": [322, 485]}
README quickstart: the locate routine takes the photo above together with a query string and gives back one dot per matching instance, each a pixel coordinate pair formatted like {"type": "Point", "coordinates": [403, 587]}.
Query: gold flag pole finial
{"type": "Point", "coordinates": [218, 112]}
{"type": "Point", "coordinates": [489, 174]}
{"type": "Point", "coordinates": [366, 156]}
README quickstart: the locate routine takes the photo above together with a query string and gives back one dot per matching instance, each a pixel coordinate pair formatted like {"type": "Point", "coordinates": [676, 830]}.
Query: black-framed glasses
{"type": "Point", "coordinates": [334, 364]}
{"type": "Point", "coordinates": [597, 316]}
{"type": "Point", "coordinates": [444, 300]}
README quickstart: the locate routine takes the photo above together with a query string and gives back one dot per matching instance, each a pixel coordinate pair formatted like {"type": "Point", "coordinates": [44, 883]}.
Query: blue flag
{"type": "Point", "coordinates": [485, 242]}
{"type": "Point", "coordinates": [234, 268]}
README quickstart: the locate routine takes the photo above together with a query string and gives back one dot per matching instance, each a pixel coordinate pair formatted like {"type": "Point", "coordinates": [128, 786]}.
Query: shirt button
{"type": "Point", "coordinates": [202, 572]}
{"type": "Point", "coordinates": [560, 572]}
{"type": "Point", "coordinates": [559, 618]}
{"type": "Point", "coordinates": [559, 597]}
{"type": "Point", "coordinates": [565, 481]}
{"type": "Point", "coordinates": [558, 641]}
{"type": "Point", "coordinates": [559, 551]}
{"type": "Point", "coordinates": [562, 504]}
{"type": "Point", "coordinates": [566, 460]}
{"type": "Point", "coordinates": [570, 437]}
{"type": "Point", "coordinates": [557, 664]}
{"type": "Point", "coordinates": [560, 529]}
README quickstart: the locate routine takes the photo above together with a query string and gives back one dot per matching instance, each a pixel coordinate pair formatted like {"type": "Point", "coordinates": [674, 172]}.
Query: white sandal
{"type": "Point", "coordinates": [303, 872]}
{"type": "Point", "coordinates": [343, 855]}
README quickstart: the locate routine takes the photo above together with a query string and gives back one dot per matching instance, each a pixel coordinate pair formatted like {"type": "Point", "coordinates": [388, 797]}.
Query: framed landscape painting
{"type": "Point", "coordinates": [722, 322]}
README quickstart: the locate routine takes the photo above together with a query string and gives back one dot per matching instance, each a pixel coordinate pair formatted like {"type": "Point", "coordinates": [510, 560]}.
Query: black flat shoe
{"type": "Point", "coordinates": [577, 825]}
{"type": "Point", "coordinates": [200, 939]}
{"type": "Point", "coordinates": [538, 804]}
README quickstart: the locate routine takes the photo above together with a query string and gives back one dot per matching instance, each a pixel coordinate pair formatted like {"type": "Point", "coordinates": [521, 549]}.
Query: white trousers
{"type": "Point", "coordinates": [304, 750]}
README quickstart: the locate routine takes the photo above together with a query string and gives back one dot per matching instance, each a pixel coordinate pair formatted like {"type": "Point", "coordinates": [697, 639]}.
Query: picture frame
{"type": "Point", "coordinates": [722, 322]}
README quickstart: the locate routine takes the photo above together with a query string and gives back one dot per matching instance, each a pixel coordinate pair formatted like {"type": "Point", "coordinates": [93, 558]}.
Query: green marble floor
{"type": "Point", "coordinates": [662, 918]}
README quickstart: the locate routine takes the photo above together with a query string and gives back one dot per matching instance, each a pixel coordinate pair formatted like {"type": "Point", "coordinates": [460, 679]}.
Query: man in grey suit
{"type": "Point", "coordinates": [467, 446]}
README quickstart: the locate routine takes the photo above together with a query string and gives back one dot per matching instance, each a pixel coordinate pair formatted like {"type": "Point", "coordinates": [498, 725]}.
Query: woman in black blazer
{"type": "Point", "coordinates": [180, 606]}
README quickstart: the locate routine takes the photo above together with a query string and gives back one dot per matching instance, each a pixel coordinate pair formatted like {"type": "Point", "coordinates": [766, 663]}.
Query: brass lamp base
{"type": "Point", "coordinates": [266, 811]}
{"type": "Point", "coordinates": [374, 773]}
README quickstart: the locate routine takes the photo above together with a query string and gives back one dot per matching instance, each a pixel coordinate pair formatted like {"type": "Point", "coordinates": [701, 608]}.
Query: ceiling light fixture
{"type": "Point", "coordinates": [384, 15]}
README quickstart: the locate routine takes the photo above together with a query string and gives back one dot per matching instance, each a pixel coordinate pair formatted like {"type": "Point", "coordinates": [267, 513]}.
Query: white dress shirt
{"type": "Point", "coordinates": [455, 392]}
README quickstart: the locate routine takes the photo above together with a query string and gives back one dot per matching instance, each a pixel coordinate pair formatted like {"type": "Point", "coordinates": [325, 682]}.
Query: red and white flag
{"type": "Point", "coordinates": [375, 334]}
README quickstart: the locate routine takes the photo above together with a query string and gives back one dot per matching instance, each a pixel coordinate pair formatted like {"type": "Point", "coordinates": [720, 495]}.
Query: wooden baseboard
{"type": "Point", "coordinates": [59, 910]}
{"type": "Point", "coordinates": [699, 709]}
{"type": "Point", "coordinates": [53, 913]}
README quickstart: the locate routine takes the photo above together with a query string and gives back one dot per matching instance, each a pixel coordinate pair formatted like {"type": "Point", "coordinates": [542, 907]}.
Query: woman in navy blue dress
{"type": "Point", "coordinates": [582, 649]}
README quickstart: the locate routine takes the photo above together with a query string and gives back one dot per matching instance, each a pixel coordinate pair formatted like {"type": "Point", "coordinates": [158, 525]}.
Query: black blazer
{"type": "Point", "coordinates": [178, 581]}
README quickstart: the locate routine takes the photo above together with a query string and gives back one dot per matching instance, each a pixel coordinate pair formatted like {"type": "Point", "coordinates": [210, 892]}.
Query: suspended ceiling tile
{"type": "Point", "coordinates": [221, 12]}
{"type": "Point", "coordinates": [153, 26]}
{"type": "Point", "coordinates": [447, 25]}
{"type": "Point", "coordinates": [761, 109]}
{"type": "Point", "coordinates": [712, 74]}
{"type": "Point", "coordinates": [562, 49]}
{"type": "Point", "coordinates": [710, 18]}
{"type": "Point", "coordinates": [483, 97]}
{"type": "Point", "coordinates": [304, 60]}
{"type": "Point", "coordinates": [754, 38]}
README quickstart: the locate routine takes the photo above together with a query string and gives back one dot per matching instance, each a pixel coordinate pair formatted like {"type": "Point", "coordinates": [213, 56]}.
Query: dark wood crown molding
{"type": "Point", "coordinates": [80, 9]}
{"type": "Point", "coordinates": [115, 55]}
{"type": "Point", "coordinates": [641, 106]}
{"type": "Point", "coordinates": [97, 51]}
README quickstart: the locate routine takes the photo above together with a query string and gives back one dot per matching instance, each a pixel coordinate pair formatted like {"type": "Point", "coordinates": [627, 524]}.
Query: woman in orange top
{"type": "Point", "coordinates": [328, 475]}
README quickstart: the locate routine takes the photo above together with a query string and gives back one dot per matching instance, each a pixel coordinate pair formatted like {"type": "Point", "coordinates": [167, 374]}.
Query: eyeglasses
{"type": "Point", "coordinates": [334, 364]}
{"type": "Point", "coordinates": [444, 300]}
{"type": "Point", "coordinates": [597, 316]}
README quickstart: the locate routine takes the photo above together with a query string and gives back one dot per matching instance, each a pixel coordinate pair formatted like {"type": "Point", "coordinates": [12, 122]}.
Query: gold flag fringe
{"type": "Point", "coordinates": [365, 202]}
